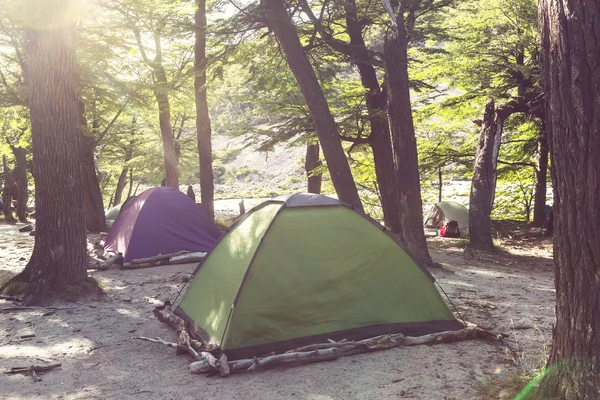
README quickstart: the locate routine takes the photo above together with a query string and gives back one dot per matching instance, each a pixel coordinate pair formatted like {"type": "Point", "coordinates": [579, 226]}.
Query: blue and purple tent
{"type": "Point", "coordinates": [161, 220]}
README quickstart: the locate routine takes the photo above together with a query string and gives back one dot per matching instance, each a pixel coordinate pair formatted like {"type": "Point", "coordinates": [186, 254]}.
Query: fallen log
{"type": "Point", "coordinates": [159, 257]}
{"type": "Point", "coordinates": [10, 298]}
{"type": "Point", "coordinates": [145, 265]}
{"type": "Point", "coordinates": [187, 258]}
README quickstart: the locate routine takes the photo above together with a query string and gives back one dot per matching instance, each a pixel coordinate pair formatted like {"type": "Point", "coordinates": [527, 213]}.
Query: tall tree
{"type": "Point", "coordinates": [280, 23]}
{"type": "Point", "coordinates": [484, 182]}
{"type": "Point", "coordinates": [570, 32]}
{"type": "Point", "coordinates": [207, 187]}
{"type": "Point", "coordinates": [58, 262]}
{"type": "Point", "coordinates": [541, 172]}
{"type": "Point", "coordinates": [8, 191]}
{"type": "Point", "coordinates": [20, 171]}
{"type": "Point", "coordinates": [403, 138]}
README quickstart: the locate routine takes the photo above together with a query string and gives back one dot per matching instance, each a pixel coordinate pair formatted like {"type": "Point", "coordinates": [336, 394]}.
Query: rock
{"type": "Point", "coordinates": [522, 324]}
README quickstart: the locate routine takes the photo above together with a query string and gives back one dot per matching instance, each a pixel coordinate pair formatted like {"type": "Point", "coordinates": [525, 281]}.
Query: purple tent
{"type": "Point", "coordinates": [161, 220]}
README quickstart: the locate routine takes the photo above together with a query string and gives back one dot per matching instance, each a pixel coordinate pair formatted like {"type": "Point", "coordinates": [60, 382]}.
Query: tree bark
{"type": "Point", "coordinates": [280, 23]}
{"type": "Point", "coordinates": [570, 34]}
{"type": "Point", "coordinates": [541, 173]}
{"type": "Point", "coordinates": [58, 262]}
{"type": "Point", "coordinates": [484, 182]}
{"type": "Point", "coordinates": [312, 162]}
{"type": "Point", "coordinates": [20, 171]}
{"type": "Point", "coordinates": [7, 192]}
{"type": "Point", "coordinates": [203, 130]}
{"type": "Point", "coordinates": [404, 143]}
{"type": "Point", "coordinates": [380, 139]}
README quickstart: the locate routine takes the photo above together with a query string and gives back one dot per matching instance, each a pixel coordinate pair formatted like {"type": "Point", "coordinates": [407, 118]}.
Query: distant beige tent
{"type": "Point", "coordinates": [446, 211]}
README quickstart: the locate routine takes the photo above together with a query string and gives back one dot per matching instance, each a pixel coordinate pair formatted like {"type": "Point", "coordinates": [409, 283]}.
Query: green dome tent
{"type": "Point", "coordinates": [113, 213]}
{"type": "Point", "coordinates": [307, 269]}
{"type": "Point", "coordinates": [445, 211]}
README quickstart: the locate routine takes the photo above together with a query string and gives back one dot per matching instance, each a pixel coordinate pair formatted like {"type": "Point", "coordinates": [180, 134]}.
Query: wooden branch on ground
{"type": "Point", "coordinates": [330, 351]}
{"type": "Point", "coordinates": [158, 257]}
{"type": "Point", "coordinates": [32, 370]}
{"type": "Point", "coordinates": [187, 258]}
{"type": "Point", "coordinates": [10, 298]}
{"type": "Point", "coordinates": [154, 261]}
{"type": "Point", "coordinates": [207, 363]}
{"type": "Point", "coordinates": [164, 342]}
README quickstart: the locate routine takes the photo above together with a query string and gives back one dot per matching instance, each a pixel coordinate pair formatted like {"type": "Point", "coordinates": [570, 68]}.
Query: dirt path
{"type": "Point", "coordinates": [100, 359]}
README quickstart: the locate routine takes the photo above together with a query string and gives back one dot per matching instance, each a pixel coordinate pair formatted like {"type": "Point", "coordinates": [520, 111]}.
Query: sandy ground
{"type": "Point", "coordinates": [93, 339]}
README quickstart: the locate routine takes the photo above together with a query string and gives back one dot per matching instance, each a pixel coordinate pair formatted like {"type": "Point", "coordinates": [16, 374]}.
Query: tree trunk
{"type": "Point", "coordinates": [484, 182]}
{"type": "Point", "coordinates": [123, 176]}
{"type": "Point", "coordinates": [58, 262]}
{"type": "Point", "coordinates": [570, 31]}
{"type": "Point", "coordinates": [440, 184]}
{"type": "Point", "coordinates": [203, 131]}
{"type": "Point", "coordinates": [541, 173]}
{"type": "Point", "coordinates": [20, 171]}
{"type": "Point", "coordinates": [405, 145]}
{"type": "Point", "coordinates": [7, 191]}
{"type": "Point", "coordinates": [93, 206]}
{"type": "Point", "coordinates": [312, 162]}
{"type": "Point", "coordinates": [130, 190]}
{"type": "Point", "coordinates": [380, 140]}
{"type": "Point", "coordinates": [121, 184]}
{"type": "Point", "coordinates": [341, 176]}
{"type": "Point", "coordinates": [161, 92]}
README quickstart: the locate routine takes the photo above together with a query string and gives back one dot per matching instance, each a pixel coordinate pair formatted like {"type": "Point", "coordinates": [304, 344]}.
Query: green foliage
{"type": "Point", "coordinates": [461, 54]}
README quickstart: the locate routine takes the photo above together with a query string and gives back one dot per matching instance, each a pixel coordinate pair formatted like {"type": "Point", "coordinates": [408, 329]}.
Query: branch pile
{"type": "Point", "coordinates": [207, 363]}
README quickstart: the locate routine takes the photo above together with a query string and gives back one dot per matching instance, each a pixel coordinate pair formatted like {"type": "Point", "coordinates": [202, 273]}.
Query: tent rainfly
{"type": "Point", "coordinates": [305, 269]}
{"type": "Point", "coordinates": [445, 211]}
{"type": "Point", "coordinates": [161, 220]}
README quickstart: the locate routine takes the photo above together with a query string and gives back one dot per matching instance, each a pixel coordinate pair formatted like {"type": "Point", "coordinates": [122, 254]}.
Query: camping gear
{"type": "Point", "coordinates": [161, 220]}
{"type": "Point", "coordinates": [450, 230]}
{"type": "Point", "coordinates": [305, 269]}
{"type": "Point", "coordinates": [446, 211]}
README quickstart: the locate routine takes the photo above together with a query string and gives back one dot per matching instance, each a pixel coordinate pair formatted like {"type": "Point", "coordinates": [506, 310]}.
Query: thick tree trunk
{"type": "Point", "coordinates": [312, 162]}
{"type": "Point", "coordinates": [380, 140]}
{"type": "Point", "coordinates": [161, 92]}
{"type": "Point", "coordinates": [570, 34]}
{"type": "Point", "coordinates": [341, 176]}
{"type": "Point", "coordinates": [405, 145]}
{"type": "Point", "coordinates": [203, 131]}
{"type": "Point", "coordinates": [541, 173]}
{"type": "Point", "coordinates": [20, 171]}
{"type": "Point", "coordinates": [93, 206]}
{"type": "Point", "coordinates": [58, 262]}
{"type": "Point", "coordinates": [483, 184]}
{"type": "Point", "coordinates": [7, 191]}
